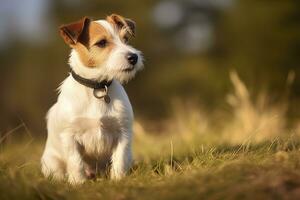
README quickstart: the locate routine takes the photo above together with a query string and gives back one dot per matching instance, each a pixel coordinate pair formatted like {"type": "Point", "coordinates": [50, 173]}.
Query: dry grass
{"type": "Point", "coordinates": [253, 120]}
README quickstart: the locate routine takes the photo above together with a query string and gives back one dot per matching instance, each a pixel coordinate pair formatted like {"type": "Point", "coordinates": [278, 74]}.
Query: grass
{"type": "Point", "coordinates": [249, 155]}
{"type": "Point", "coordinates": [268, 170]}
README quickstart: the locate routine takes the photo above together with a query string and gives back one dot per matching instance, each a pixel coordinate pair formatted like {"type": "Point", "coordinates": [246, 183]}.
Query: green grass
{"type": "Point", "coordinates": [203, 169]}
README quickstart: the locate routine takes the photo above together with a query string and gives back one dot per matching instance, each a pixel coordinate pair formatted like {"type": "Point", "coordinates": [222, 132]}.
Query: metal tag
{"type": "Point", "coordinates": [107, 99]}
{"type": "Point", "coordinates": [105, 96]}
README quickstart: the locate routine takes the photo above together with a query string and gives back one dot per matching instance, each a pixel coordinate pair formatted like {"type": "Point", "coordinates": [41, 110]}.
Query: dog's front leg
{"type": "Point", "coordinates": [121, 158]}
{"type": "Point", "coordinates": [75, 164]}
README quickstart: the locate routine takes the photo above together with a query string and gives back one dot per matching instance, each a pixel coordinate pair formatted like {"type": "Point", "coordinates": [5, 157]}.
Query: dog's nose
{"type": "Point", "coordinates": [132, 58]}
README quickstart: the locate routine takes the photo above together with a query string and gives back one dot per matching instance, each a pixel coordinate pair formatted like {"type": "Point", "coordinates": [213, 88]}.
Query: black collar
{"type": "Point", "coordinates": [91, 83]}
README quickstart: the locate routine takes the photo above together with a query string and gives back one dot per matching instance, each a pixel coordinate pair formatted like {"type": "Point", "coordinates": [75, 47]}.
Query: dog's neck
{"type": "Point", "coordinates": [93, 84]}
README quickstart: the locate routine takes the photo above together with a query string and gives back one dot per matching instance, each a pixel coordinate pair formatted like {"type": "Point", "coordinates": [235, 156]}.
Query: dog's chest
{"type": "Point", "coordinates": [102, 125]}
{"type": "Point", "coordinates": [101, 128]}
{"type": "Point", "coordinates": [97, 141]}
{"type": "Point", "coordinates": [97, 125]}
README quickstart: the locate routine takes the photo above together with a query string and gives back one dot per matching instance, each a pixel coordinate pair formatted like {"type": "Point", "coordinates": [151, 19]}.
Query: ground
{"type": "Point", "coordinates": [169, 170]}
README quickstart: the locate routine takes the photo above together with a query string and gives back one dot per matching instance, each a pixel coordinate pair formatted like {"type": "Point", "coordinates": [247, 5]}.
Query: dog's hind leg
{"type": "Point", "coordinates": [52, 166]}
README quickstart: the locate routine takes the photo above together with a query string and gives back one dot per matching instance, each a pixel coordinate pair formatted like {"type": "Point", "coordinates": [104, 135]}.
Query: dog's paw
{"type": "Point", "coordinates": [76, 179]}
{"type": "Point", "coordinates": [117, 175]}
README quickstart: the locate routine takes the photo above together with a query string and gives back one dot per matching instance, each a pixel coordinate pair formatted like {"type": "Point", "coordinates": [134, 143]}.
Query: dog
{"type": "Point", "coordinates": [90, 125]}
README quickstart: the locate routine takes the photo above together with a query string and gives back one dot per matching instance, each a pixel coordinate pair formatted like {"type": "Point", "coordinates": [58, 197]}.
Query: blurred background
{"type": "Point", "coordinates": [190, 47]}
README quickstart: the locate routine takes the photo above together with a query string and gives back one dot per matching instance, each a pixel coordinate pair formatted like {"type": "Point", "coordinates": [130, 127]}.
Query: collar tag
{"type": "Point", "coordinates": [107, 99]}
{"type": "Point", "coordinates": [105, 96]}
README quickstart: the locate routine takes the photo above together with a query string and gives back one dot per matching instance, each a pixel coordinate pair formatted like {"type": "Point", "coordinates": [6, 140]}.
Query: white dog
{"type": "Point", "coordinates": [91, 122]}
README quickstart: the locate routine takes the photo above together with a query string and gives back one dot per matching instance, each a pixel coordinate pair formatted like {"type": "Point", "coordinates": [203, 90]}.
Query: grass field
{"type": "Point", "coordinates": [250, 155]}
{"type": "Point", "coordinates": [268, 170]}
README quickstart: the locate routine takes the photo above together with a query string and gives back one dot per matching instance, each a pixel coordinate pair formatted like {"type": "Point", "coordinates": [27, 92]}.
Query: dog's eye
{"type": "Point", "coordinates": [102, 43]}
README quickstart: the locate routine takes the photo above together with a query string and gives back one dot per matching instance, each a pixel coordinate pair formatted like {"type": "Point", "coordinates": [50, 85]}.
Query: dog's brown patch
{"type": "Point", "coordinates": [125, 26]}
{"type": "Point", "coordinates": [90, 54]}
{"type": "Point", "coordinates": [83, 36]}
{"type": "Point", "coordinates": [72, 32]}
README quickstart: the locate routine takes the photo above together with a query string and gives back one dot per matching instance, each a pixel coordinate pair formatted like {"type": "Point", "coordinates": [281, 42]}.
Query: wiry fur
{"type": "Point", "coordinates": [82, 128]}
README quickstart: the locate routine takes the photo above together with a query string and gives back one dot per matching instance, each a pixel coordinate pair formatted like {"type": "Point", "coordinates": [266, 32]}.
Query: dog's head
{"type": "Point", "coordinates": [101, 50]}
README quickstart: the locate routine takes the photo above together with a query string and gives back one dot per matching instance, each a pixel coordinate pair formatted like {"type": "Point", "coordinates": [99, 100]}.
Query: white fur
{"type": "Point", "coordinates": [81, 125]}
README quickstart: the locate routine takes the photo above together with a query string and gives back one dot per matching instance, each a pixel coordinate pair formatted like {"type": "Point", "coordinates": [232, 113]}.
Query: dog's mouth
{"type": "Point", "coordinates": [128, 69]}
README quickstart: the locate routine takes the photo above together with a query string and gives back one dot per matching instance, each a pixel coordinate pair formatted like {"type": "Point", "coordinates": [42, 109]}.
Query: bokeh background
{"type": "Point", "coordinates": [190, 47]}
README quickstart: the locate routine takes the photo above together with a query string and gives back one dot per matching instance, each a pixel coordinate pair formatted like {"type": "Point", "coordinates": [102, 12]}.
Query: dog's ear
{"type": "Point", "coordinates": [122, 22]}
{"type": "Point", "coordinates": [72, 32]}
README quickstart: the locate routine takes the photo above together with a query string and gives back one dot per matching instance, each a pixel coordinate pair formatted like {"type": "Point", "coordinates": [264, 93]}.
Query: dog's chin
{"type": "Point", "coordinates": [125, 75]}
{"type": "Point", "coordinates": [123, 72]}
